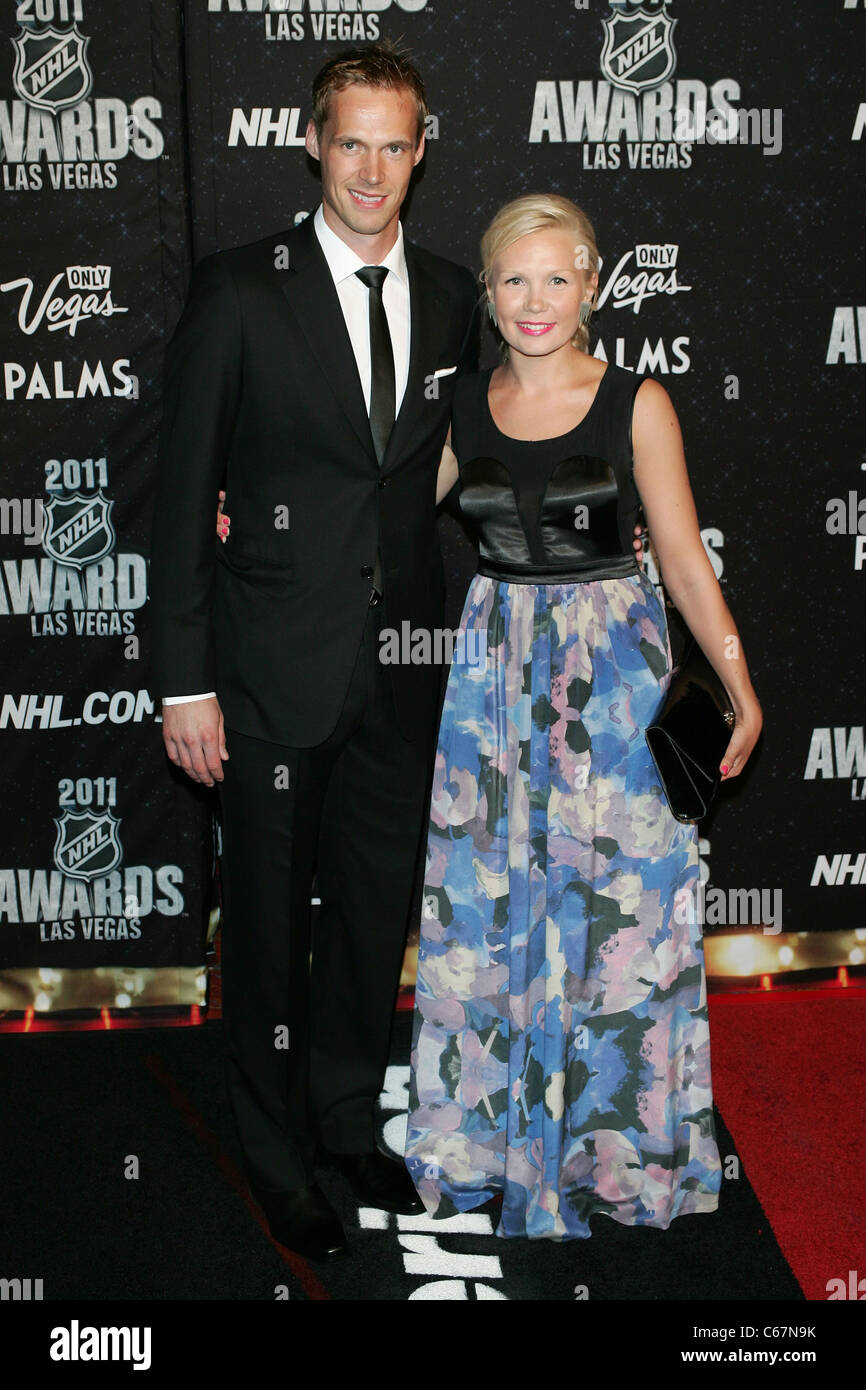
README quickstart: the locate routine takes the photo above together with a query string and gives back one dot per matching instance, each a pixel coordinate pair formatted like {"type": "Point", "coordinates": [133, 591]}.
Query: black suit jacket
{"type": "Point", "coordinates": [262, 395]}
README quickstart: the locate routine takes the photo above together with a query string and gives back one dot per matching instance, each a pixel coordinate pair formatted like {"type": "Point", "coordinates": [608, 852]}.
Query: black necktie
{"type": "Point", "coordinates": [382, 388]}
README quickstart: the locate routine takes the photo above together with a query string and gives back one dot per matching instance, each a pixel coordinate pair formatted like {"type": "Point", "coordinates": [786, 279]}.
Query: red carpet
{"type": "Point", "coordinates": [790, 1080]}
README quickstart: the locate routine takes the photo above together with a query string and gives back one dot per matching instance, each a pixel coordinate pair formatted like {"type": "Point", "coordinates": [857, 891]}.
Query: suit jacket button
{"type": "Point", "coordinates": [382, 482]}
{"type": "Point", "coordinates": [366, 571]}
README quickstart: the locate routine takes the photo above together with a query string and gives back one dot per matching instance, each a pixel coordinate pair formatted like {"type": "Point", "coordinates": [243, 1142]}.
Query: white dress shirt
{"type": "Point", "coordinates": [354, 299]}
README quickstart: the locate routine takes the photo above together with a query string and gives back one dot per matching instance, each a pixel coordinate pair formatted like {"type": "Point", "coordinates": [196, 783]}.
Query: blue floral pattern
{"type": "Point", "coordinates": [560, 1051]}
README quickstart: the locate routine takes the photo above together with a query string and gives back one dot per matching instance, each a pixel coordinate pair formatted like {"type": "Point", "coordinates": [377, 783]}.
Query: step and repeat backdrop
{"type": "Point", "coordinates": [105, 862]}
{"type": "Point", "coordinates": [717, 149]}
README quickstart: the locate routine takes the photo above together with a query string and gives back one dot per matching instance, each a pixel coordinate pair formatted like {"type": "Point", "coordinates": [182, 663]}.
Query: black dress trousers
{"type": "Point", "coordinates": [308, 1021]}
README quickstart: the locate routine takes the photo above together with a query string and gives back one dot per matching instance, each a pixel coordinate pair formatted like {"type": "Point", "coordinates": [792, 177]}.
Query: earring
{"type": "Point", "coordinates": [491, 309]}
{"type": "Point", "coordinates": [585, 310]}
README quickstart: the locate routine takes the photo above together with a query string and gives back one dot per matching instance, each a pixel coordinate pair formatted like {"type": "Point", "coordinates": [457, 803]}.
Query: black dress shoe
{"type": "Point", "coordinates": [379, 1181]}
{"type": "Point", "coordinates": [304, 1221]}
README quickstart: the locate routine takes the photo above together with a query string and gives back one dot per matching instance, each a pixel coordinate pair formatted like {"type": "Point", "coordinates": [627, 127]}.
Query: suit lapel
{"type": "Point", "coordinates": [309, 289]}
{"type": "Point", "coordinates": [429, 318]}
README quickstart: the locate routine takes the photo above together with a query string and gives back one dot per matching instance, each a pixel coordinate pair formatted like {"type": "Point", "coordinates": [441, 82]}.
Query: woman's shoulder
{"type": "Point", "coordinates": [628, 380]}
{"type": "Point", "coordinates": [468, 416]}
{"type": "Point", "coordinates": [471, 388]}
{"type": "Point", "coordinates": [624, 377]}
{"type": "Point", "coordinates": [473, 381]}
{"type": "Point", "coordinates": [624, 388]}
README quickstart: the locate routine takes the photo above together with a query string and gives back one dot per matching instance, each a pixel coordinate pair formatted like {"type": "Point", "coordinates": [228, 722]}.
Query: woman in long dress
{"type": "Point", "coordinates": [560, 1052]}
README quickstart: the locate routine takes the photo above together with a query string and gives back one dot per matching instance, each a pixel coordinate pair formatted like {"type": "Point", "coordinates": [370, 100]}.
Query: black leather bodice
{"type": "Point", "coordinates": [550, 510]}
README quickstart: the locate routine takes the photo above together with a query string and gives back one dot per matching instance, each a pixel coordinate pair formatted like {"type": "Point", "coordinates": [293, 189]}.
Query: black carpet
{"type": "Point", "coordinates": [82, 1110]}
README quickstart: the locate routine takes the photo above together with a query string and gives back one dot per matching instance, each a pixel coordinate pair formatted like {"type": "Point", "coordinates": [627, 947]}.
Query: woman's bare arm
{"type": "Point", "coordinates": [448, 472]}
{"type": "Point", "coordinates": [663, 483]}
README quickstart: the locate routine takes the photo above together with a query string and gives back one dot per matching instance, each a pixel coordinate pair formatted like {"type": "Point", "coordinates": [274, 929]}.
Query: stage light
{"type": "Point", "coordinates": [743, 954]}
{"type": "Point", "coordinates": [122, 1001]}
{"type": "Point", "coordinates": [42, 1002]}
{"type": "Point", "coordinates": [786, 955]}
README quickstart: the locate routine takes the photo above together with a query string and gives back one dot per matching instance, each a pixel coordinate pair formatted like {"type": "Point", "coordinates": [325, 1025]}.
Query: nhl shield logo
{"type": "Point", "coordinates": [78, 529]}
{"type": "Point", "coordinates": [51, 68]}
{"type": "Point", "coordinates": [638, 51]}
{"type": "Point", "coordinates": [87, 845]}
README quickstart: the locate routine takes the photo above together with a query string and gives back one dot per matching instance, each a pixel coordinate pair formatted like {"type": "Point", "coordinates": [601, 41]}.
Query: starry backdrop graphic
{"type": "Point", "coordinates": [752, 327]}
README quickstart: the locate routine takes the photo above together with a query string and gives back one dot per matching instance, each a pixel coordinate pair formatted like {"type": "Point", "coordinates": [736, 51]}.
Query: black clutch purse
{"type": "Point", "coordinates": [690, 733]}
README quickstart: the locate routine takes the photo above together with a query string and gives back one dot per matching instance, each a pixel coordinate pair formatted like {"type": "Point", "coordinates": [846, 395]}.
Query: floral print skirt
{"type": "Point", "coordinates": [560, 1046]}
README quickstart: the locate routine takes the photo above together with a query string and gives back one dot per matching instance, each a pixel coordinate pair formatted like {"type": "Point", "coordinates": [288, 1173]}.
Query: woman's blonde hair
{"type": "Point", "coordinates": [536, 212]}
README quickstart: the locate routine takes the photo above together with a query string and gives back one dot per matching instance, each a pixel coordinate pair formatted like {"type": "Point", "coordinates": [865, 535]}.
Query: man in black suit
{"type": "Point", "coordinates": [311, 374]}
